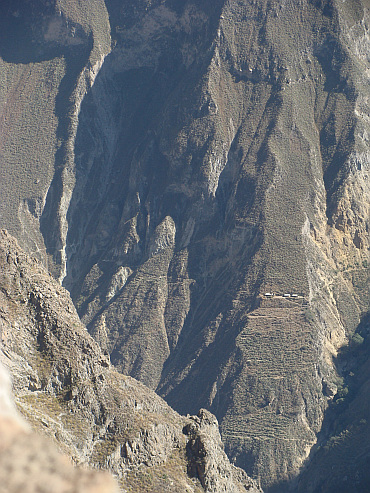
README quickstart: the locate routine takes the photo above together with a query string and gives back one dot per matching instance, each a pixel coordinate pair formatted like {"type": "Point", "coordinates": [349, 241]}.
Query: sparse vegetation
{"type": "Point", "coordinates": [221, 147]}
{"type": "Point", "coordinates": [357, 340]}
{"type": "Point", "coordinates": [309, 315]}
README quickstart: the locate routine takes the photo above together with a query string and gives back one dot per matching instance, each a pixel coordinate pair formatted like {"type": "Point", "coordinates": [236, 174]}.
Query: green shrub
{"type": "Point", "coordinates": [339, 401]}
{"type": "Point", "coordinates": [342, 392]}
{"type": "Point", "coordinates": [357, 340]}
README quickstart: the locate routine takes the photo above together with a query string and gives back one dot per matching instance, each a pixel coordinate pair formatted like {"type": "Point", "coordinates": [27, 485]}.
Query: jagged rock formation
{"type": "Point", "coordinates": [30, 463]}
{"type": "Point", "coordinates": [66, 388]}
{"type": "Point", "coordinates": [220, 152]}
{"type": "Point", "coordinates": [207, 461]}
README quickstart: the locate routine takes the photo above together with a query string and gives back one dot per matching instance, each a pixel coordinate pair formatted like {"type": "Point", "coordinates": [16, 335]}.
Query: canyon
{"type": "Point", "coordinates": [179, 167]}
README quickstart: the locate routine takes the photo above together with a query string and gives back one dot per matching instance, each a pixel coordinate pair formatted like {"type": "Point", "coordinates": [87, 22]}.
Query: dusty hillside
{"type": "Point", "coordinates": [66, 388]}
{"type": "Point", "coordinates": [200, 154]}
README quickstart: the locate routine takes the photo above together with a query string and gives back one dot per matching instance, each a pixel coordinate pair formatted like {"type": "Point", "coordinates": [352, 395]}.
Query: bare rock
{"type": "Point", "coordinates": [208, 461]}
{"type": "Point", "coordinates": [31, 463]}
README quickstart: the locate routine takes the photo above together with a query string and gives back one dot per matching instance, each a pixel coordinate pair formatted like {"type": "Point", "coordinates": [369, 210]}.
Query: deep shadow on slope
{"type": "Point", "coordinates": [24, 36]}
{"type": "Point", "coordinates": [129, 158]}
{"type": "Point", "coordinates": [33, 33]}
{"type": "Point", "coordinates": [340, 461]}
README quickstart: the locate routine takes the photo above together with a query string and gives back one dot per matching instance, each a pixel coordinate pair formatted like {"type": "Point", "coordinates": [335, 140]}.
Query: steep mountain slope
{"type": "Point", "coordinates": [221, 152]}
{"type": "Point", "coordinates": [67, 389]}
{"type": "Point", "coordinates": [344, 441]}
{"type": "Point", "coordinates": [50, 53]}
{"type": "Point", "coordinates": [31, 463]}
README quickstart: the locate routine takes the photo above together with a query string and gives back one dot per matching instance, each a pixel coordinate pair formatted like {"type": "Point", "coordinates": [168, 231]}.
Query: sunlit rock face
{"type": "Point", "coordinates": [196, 156]}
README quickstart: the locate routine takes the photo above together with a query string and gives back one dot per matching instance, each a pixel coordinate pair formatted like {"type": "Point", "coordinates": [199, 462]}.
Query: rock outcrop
{"type": "Point", "coordinates": [208, 461]}
{"type": "Point", "coordinates": [67, 389]}
{"type": "Point", "coordinates": [31, 463]}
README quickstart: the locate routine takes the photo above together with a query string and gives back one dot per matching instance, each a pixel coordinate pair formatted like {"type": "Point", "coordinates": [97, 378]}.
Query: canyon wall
{"type": "Point", "coordinates": [196, 156]}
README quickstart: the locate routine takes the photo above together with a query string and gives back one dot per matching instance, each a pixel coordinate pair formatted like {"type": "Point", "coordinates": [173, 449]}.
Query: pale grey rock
{"type": "Point", "coordinates": [207, 458]}
{"type": "Point", "coordinates": [117, 282]}
{"type": "Point", "coordinates": [163, 237]}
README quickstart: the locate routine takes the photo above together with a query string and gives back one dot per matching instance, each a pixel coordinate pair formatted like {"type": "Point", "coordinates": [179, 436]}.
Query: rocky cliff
{"type": "Point", "coordinates": [66, 388]}
{"type": "Point", "coordinates": [196, 156]}
{"type": "Point", "coordinates": [30, 463]}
